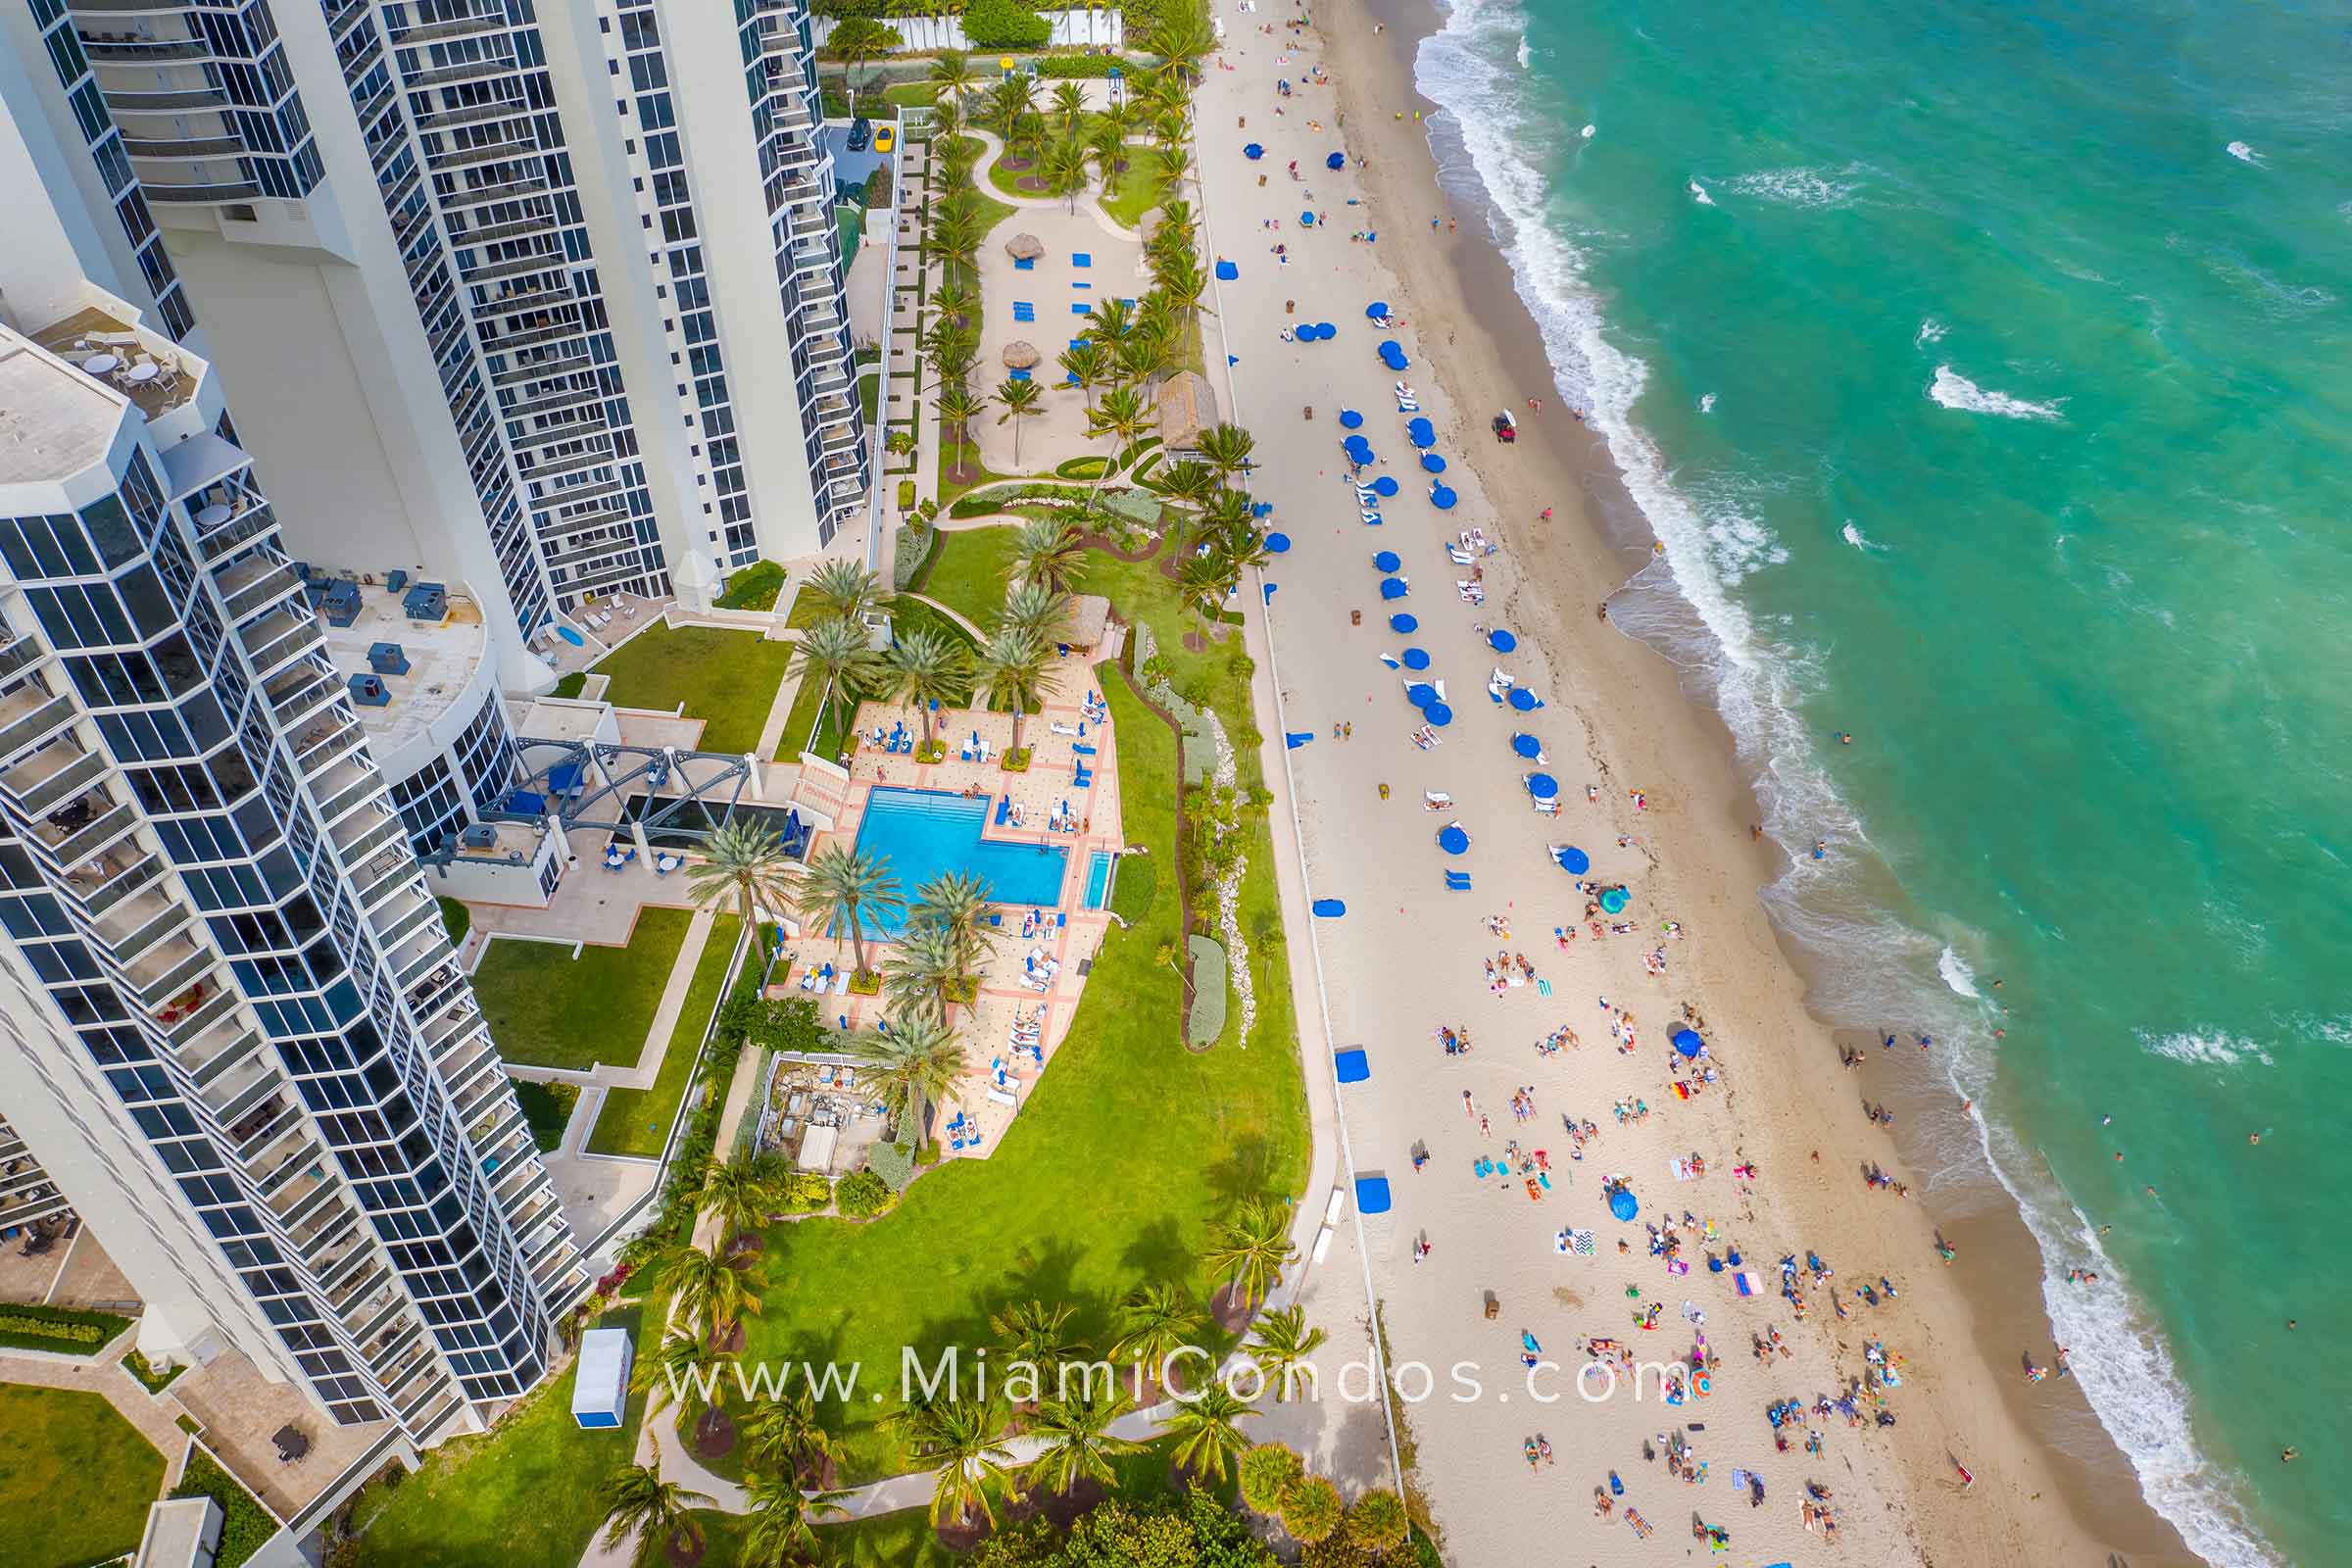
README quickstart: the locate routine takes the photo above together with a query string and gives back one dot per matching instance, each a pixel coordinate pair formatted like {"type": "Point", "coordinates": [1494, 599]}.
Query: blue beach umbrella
{"type": "Point", "coordinates": [1421, 694]}
{"type": "Point", "coordinates": [1384, 485]}
{"type": "Point", "coordinates": [1421, 432]}
{"type": "Point", "coordinates": [1307, 220]}
{"type": "Point", "coordinates": [1543, 786]}
{"type": "Point", "coordinates": [1326, 331]}
{"type": "Point", "coordinates": [1329, 908]}
{"type": "Point", "coordinates": [1687, 1042]}
{"type": "Point", "coordinates": [1527, 745]}
{"type": "Point", "coordinates": [1376, 310]}
{"type": "Point", "coordinates": [1350, 418]}
{"type": "Point", "coordinates": [1386, 561]}
{"type": "Point", "coordinates": [1623, 1204]}
{"type": "Point", "coordinates": [1573, 860]}
{"type": "Point", "coordinates": [1438, 714]}
{"type": "Point", "coordinates": [1522, 700]}
{"type": "Point", "coordinates": [1277, 544]}
{"type": "Point", "coordinates": [1404, 622]}
{"type": "Point", "coordinates": [1358, 450]}
{"type": "Point", "coordinates": [1254, 152]}
{"type": "Point", "coordinates": [1501, 640]}
{"type": "Point", "coordinates": [1440, 498]}
{"type": "Point", "coordinates": [1335, 160]}
{"type": "Point", "coordinates": [1415, 658]}
{"type": "Point", "coordinates": [1453, 841]}
{"type": "Point", "coordinates": [1431, 463]}
{"type": "Point", "coordinates": [1613, 902]}
{"type": "Point", "coordinates": [1391, 356]}
{"type": "Point", "coordinates": [1393, 588]}
{"type": "Point", "coordinates": [1227, 271]}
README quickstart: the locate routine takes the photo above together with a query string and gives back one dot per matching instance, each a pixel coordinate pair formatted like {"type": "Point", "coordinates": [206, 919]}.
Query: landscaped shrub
{"type": "Point", "coordinates": [1005, 25]}
{"type": "Point", "coordinates": [1265, 1473]}
{"type": "Point", "coordinates": [1086, 467]}
{"type": "Point", "coordinates": [862, 1193]}
{"type": "Point", "coordinates": [138, 1366]}
{"type": "Point", "coordinates": [894, 1164]}
{"type": "Point", "coordinates": [1378, 1520]}
{"type": "Point", "coordinates": [26, 1327]}
{"type": "Point", "coordinates": [755, 587]}
{"type": "Point", "coordinates": [1059, 65]}
{"type": "Point", "coordinates": [245, 1525]}
{"type": "Point", "coordinates": [1207, 1018]}
{"type": "Point", "coordinates": [906, 495]}
{"type": "Point", "coordinates": [1310, 1508]}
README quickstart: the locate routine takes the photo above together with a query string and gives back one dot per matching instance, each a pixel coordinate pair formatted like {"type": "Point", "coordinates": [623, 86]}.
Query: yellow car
{"type": "Point", "coordinates": [886, 138]}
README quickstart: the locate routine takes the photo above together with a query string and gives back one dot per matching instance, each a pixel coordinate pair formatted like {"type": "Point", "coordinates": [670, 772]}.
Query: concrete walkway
{"type": "Point", "coordinates": [104, 1376]}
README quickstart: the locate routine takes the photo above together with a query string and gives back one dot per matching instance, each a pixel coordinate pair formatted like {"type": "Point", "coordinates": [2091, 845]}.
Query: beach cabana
{"type": "Point", "coordinates": [1420, 432]}
{"type": "Point", "coordinates": [1391, 356]}
{"type": "Point", "coordinates": [1431, 463]}
{"type": "Point", "coordinates": [1401, 623]}
{"type": "Point", "coordinates": [1090, 618]}
{"type": "Point", "coordinates": [1441, 497]}
{"type": "Point", "coordinates": [1573, 860]}
{"type": "Point", "coordinates": [1186, 406]}
{"type": "Point", "coordinates": [1452, 840]}
{"type": "Point", "coordinates": [1386, 562]}
{"type": "Point", "coordinates": [1416, 658]}
{"type": "Point", "coordinates": [1024, 248]}
{"type": "Point", "coordinates": [1393, 588]}
{"type": "Point", "coordinates": [1501, 640]}
{"type": "Point", "coordinates": [1021, 356]}
{"type": "Point", "coordinates": [1527, 745]}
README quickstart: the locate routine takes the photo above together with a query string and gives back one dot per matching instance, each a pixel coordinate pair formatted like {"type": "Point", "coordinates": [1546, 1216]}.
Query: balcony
{"type": "Point", "coordinates": [344, 788]}
{"type": "Point", "coordinates": [164, 100]}
{"type": "Point", "coordinates": [554, 403]}
{"type": "Point", "coordinates": [241, 1099]}
{"type": "Point", "coordinates": [247, 519]}
{"type": "Point", "coordinates": [217, 1048]}
{"type": "Point", "coordinates": [30, 715]}
{"type": "Point", "coordinates": [132, 49]}
{"type": "Point", "coordinates": [502, 266]}
{"type": "Point", "coordinates": [329, 738]}
{"type": "Point", "coordinates": [462, 71]}
{"type": "Point", "coordinates": [397, 919]}
{"type": "Point", "coordinates": [528, 226]}
{"type": "Point", "coordinates": [285, 635]}
{"type": "Point", "coordinates": [444, 27]}
{"type": "Point", "coordinates": [85, 824]}
{"type": "Point", "coordinates": [534, 336]}
{"type": "Point", "coordinates": [117, 874]}
{"type": "Point", "coordinates": [168, 968]}
{"type": "Point", "coordinates": [202, 195]}
{"type": "Point", "coordinates": [148, 147]}
{"type": "Point", "coordinates": [139, 922]}
{"type": "Point", "coordinates": [195, 1011]}
{"type": "Point", "coordinates": [298, 693]}
{"type": "Point", "coordinates": [306, 1194]}
{"type": "Point", "coordinates": [576, 463]}
{"type": "Point", "coordinates": [363, 833]}
{"type": "Point", "coordinates": [277, 1163]}
{"type": "Point", "coordinates": [471, 115]}
{"type": "Point", "coordinates": [513, 190]}
{"type": "Point", "coordinates": [51, 774]}
{"type": "Point", "coordinates": [494, 152]}
{"type": "Point", "coordinates": [541, 367]}
{"type": "Point", "coordinates": [254, 581]}
{"type": "Point", "coordinates": [584, 559]}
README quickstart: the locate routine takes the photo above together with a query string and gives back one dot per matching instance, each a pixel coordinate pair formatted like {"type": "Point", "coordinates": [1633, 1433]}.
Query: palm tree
{"type": "Point", "coordinates": [1011, 100]}
{"type": "Point", "coordinates": [947, 124]}
{"type": "Point", "coordinates": [785, 1436]}
{"type": "Point", "coordinates": [1110, 322]}
{"type": "Point", "coordinates": [958, 1437]}
{"type": "Point", "coordinates": [678, 1371]}
{"type": "Point", "coordinates": [958, 406]}
{"type": "Point", "coordinates": [639, 1503]}
{"type": "Point", "coordinates": [1034, 1332]}
{"type": "Point", "coordinates": [922, 668]}
{"type": "Point", "coordinates": [1182, 281]}
{"type": "Point", "coordinates": [1227, 448]}
{"type": "Point", "coordinates": [843, 887]}
{"type": "Point", "coordinates": [1019, 399]}
{"type": "Point", "coordinates": [1083, 365]}
{"type": "Point", "coordinates": [834, 651]}
{"type": "Point", "coordinates": [1180, 40]}
{"type": "Point", "coordinates": [1079, 1443]}
{"type": "Point", "coordinates": [746, 860]}
{"type": "Point", "coordinates": [1012, 666]}
{"type": "Point", "coordinates": [912, 1065]}
{"type": "Point", "coordinates": [1143, 353]}
{"type": "Point", "coordinates": [924, 964]}
{"type": "Point", "coordinates": [1202, 578]}
{"type": "Point", "coordinates": [950, 347]}
{"type": "Point", "coordinates": [1155, 1322]}
{"type": "Point", "coordinates": [953, 72]}
{"type": "Point", "coordinates": [1379, 1522]}
{"type": "Point", "coordinates": [707, 1289]}
{"type": "Point", "coordinates": [954, 300]}
{"type": "Point", "coordinates": [744, 1191]}
{"type": "Point", "coordinates": [1066, 168]}
{"type": "Point", "coordinates": [1282, 1344]}
{"type": "Point", "coordinates": [1046, 551]}
{"type": "Point", "coordinates": [782, 1533]}
{"type": "Point", "coordinates": [1251, 1249]}
{"type": "Point", "coordinates": [1108, 145]}
{"type": "Point", "coordinates": [1036, 610]}
{"type": "Point", "coordinates": [1265, 1473]}
{"type": "Point", "coordinates": [857, 39]}
{"type": "Point", "coordinates": [954, 902]}
{"type": "Point", "coordinates": [1123, 416]}
{"type": "Point", "coordinates": [1207, 1432]}
{"type": "Point", "coordinates": [1070, 104]}
{"type": "Point", "coordinates": [1189, 480]}
{"type": "Point", "coordinates": [842, 587]}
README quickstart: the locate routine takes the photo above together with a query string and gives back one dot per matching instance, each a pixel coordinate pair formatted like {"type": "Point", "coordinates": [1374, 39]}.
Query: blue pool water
{"type": "Point", "coordinates": [1098, 879]}
{"type": "Point", "coordinates": [571, 637]}
{"type": "Point", "coordinates": [923, 833]}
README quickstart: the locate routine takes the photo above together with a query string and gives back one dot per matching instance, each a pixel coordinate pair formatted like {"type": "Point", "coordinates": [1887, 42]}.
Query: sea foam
{"type": "Point", "coordinates": [1956, 391]}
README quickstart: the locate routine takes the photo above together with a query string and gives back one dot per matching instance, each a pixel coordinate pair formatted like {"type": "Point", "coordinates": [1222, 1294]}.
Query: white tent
{"type": "Point", "coordinates": [601, 1393]}
{"type": "Point", "coordinates": [816, 1148]}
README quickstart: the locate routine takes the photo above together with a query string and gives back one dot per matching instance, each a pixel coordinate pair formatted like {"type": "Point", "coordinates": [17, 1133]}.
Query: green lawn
{"type": "Point", "coordinates": [547, 1107]}
{"type": "Point", "coordinates": [870, 394]}
{"type": "Point", "coordinates": [726, 678]}
{"type": "Point", "coordinates": [1136, 193]}
{"type": "Point", "coordinates": [1124, 1155]}
{"type": "Point", "coordinates": [636, 1121]}
{"type": "Point", "coordinates": [571, 685]}
{"type": "Point", "coordinates": [76, 1478]}
{"type": "Point", "coordinates": [455, 919]}
{"type": "Point", "coordinates": [911, 93]}
{"type": "Point", "coordinates": [971, 570]}
{"type": "Point", "coordinates": [752, 587]}
{"type": "Point", "coordinates": [548, 1010]}
{"type": "Point", "coordinates": [521, 1496]}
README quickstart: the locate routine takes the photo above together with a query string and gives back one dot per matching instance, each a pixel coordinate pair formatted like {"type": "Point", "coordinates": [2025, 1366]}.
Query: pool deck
{"type": "Point", "coordinates": [987, 1025]}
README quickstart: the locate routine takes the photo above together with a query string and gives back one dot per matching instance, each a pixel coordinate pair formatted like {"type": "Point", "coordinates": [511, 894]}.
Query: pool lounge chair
{"type": "Point", "coordinates": [1083, 750]}
{"type": "Point", "coordinates": [1058, 728]}
{"type": "Point", "coordinates": [841, 984]}
{"type": "Point", "coordinates": [1003, 809]}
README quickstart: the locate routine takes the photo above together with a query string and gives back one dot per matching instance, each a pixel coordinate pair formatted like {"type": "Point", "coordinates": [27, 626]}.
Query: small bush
{"type": "Point", "coordinates": [906, 495]}
{"type": "Point", "coordinates": [1016, 760]}
{"type": "Point", "coordinates": [1310, 1508]}
{"type": "Point", "coordinates": [1005, 25]}
{"type": "Point", "coordinates": [1267, 1472]}
{"type": "Point", "coordinates": [894, 1164]}
{"type": "Point", "coordinates": [755, 587]}
{"type": "Point", "coordinates": [60, 1329]}
{"type": "Point", "coordinates": [861, 1193]}
{"type": "Point", "coordinates": [1086, 467]}
{"type": "Point", "coordinates": [245, 1527]}
{"type": "Point", "coordinates": [1057, 66]}
{"type": "Point", "coordinates": [138, 1366]}
{"type": "Point", "coordinates": [866, 983]}
{"type": "Point", "coordinates": [1378, 1520]}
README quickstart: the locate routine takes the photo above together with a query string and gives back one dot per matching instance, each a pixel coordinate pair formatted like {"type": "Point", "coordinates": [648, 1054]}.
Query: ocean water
{"type": "Point", "coordinates": [1982, 371]}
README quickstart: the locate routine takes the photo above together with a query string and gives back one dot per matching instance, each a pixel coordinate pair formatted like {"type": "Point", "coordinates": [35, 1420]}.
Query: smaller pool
{"type": "Point", "coordinates": [1097, 878]}
{"type": "Point", "coordinates": [571, 637]}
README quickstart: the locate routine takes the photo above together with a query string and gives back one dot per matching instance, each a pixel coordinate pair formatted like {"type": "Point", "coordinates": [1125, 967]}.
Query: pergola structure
{"type": "Point", "coordinates": [636, 791]}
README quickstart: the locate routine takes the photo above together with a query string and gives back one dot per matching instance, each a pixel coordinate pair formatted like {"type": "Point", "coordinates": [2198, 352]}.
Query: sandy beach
{"type": "Point", "coordinates": [1648, 790]}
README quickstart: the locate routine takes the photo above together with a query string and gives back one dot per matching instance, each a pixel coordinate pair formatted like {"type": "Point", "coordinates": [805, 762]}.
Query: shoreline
{"type": "Point", "coordinates": [2066, 1492]}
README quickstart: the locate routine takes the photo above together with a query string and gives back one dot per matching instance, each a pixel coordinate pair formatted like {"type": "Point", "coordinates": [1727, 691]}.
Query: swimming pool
{"type": "Point", "coordinates": [571, 637]}
{"type": "Point", "coordinates": [1098, 879]}
{"type": "Point", "coordinates": [923, 833]}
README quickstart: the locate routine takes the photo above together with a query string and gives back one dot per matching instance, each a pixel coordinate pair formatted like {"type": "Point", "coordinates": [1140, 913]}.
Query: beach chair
{"type": "Point", "coordinates": [1024, 310]}
{"type": "Point", "coordinates": [1083, 749]}
{"type": "Point", "coordinates": [1081, 259]}
{"type": "Point", "coordinates": [1435, 800]}
{"type": "Point", "coordinates": [1081, 307]}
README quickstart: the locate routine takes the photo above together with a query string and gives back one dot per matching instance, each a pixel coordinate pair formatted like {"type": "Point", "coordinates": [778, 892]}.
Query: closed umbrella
{"type": "Point", "coordinates": [1439, 714]}
{"type": "Point", "coordinates": [1573, 860]}
{"type": "Point", "coordinates": [1687, 1042]}
{"type": "Point", "coordinates": [1431, 463]}
{"type": "Point", "coordinates": [1277, 544]}
{"type": "Point", "coordinates": [1386, 561]}
{"type": "Point", "coordinates": [1522, 700]}
{"type": "Point", "coordinates": [1501, 640]}
{"type": "Point", "coordinates": [1527, 745]}
{"type": "Point", "coordinates": [1613, 901]}
{"type": "Point", "coordinates": [1415, 658]}
{"type": "Point", "coordinates": [1440, 497]}
{"type": "Point", "coordinates": [1421, 432]}
{"type": "Point", "coordinates": [1543, 786]}
{"type": "Point", "coordinates": [1393, 588]}
{"type": "Point", "coordinates": [1384, 485]}
{"type": "Point", "coordinates": [1421, 694]}
{"type": "Point", "coordinates": [1350, 418]}
{"type": "Point", "coordinates": [1404, 622]}
{"type": "Point", "coordinates": [1452, 840]}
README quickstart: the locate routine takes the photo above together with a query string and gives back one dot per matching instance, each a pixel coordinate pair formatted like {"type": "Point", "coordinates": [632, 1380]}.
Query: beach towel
{"type": "Point", "coordinates": [1682, 1091]}
{"type": "Point", "coordinates": [1675, 1266]}
{"type": "Point", "coordinates": [1681, 1168]}
{"type": "Point", "coordinates": [1749, 1281]}
{"type": "Point", "coordinates": [1581, 1244]}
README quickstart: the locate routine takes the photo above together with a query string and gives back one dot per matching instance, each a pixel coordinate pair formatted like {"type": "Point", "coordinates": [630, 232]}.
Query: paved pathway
{"type": "Point", "coordinates": [102, 1375]}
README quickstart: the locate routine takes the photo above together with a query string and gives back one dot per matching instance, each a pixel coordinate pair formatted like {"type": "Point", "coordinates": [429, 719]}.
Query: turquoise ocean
{"type": "Point", "coordinates": [1983, 372]}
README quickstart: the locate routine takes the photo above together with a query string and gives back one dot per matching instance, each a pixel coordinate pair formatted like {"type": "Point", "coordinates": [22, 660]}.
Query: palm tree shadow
{"type": "Point", "coordinates": [1246, 1172]}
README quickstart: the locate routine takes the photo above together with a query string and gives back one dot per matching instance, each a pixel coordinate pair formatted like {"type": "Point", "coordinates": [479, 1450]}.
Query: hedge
{"type": "Point", "coordinates": [1005, 25]}
{"type": "Point", "coordinates": [753, 587]}
{"type": "Point", "coordinates": [1055, 66]}
{"type": "Point", "coordinates": [1080, 467]}
{"type": "Point", "coordinates": [245, 1526]}
{"type": "Point", "coordinates": [26, 1327]}
{"type": "Point", "coordinates": [1208, 1019]}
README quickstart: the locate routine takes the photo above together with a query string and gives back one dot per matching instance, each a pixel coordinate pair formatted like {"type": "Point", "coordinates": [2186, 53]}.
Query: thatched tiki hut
{"type": "Point", "coordinates": [1021, 356]}
{"type": "Point", "coordinates": [1187, 407]}
{"type": "Point", "coordinates": [1024, 246]}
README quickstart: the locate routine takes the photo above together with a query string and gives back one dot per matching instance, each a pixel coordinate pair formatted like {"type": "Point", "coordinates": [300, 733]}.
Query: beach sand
{"type": "Point", "coordinates": [2049, 1486]}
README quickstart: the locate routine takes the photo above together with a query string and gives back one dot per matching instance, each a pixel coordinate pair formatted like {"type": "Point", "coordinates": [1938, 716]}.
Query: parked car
{"type": "Point", "coordinates": [886, 138]}
{"type": "Point", "coordinates": [861, 133]}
